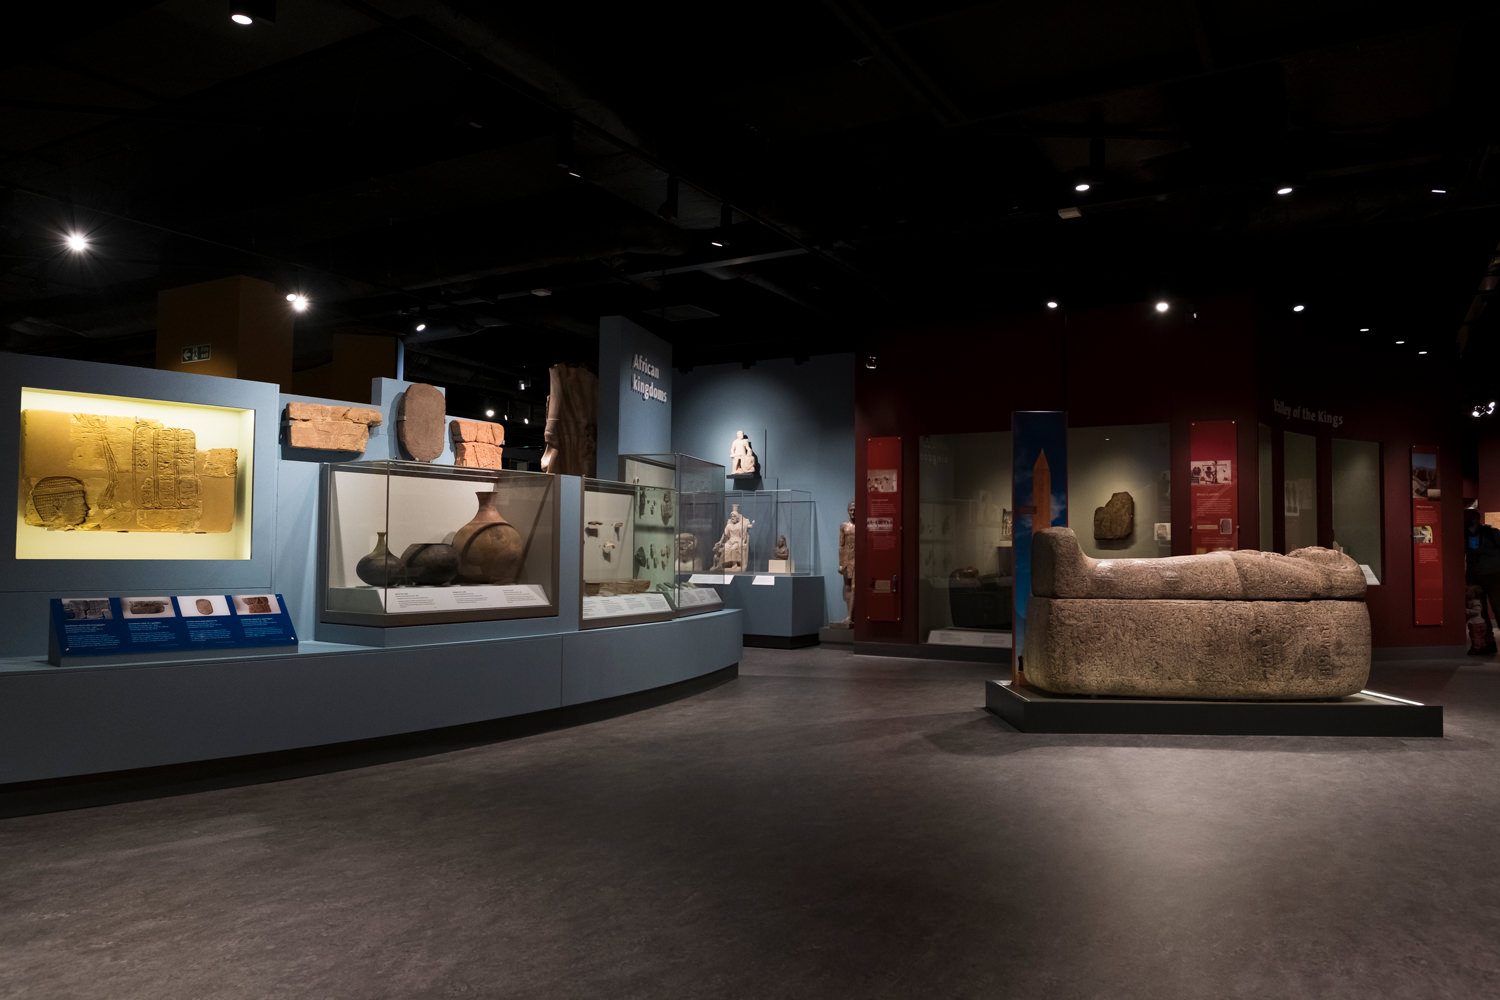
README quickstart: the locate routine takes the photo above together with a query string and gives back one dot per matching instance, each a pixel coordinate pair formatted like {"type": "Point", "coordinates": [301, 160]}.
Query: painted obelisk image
{"type": "Point", "coordinates": [1041, 494]}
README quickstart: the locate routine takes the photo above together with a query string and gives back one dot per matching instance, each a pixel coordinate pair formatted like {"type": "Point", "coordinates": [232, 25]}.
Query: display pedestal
{"type": "Point", "coordinates": [61, 721]}
{"type": "Point", "coordinates": [1363, 714]}
{"type": "Point", "coordinates": [781, 612]}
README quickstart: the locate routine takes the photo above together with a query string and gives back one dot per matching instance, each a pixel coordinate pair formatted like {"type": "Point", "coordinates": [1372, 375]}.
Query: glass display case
{"type": "Point", "coordinates": [699, 520]}
{"type": "Point", "coordinates": [773, 533]}
{"type": "Point", "coordinates": [629, 553]}
{"type": "Point", "coordinates": [408, 543]}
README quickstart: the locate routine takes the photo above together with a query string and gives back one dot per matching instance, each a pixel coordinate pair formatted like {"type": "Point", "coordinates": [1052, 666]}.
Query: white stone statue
{"type": "Point", "coordinates": [742, 460]}
{"type": "Point", "coordinates": [736, 540]}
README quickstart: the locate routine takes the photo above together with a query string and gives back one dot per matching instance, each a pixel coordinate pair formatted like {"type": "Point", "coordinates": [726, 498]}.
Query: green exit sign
{"type": "Point", "coordinates": [198, 352]}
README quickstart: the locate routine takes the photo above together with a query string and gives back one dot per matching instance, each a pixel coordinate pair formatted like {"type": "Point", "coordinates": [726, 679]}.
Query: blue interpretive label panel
{"type": "Point", "coordinates": [130, 629]}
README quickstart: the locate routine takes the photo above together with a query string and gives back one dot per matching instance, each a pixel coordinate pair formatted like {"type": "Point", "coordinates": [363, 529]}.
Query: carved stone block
{"type": "Point", "coordinates": [329, 428]}
{"type": "Point", "coordinates": [477, 443]}
{"type": "Point", "coordinates": [421, 413]}
{"type": "Point", "coordinates": [1116, 519]}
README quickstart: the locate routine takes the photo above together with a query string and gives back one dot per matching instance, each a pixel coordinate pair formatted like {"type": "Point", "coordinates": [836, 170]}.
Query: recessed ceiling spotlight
{"type": "Point", "coordinates": [1364, 329]}
{"type": "Point", "coordinates": [715, 243]}
{"type": "Point", "coordinates": [1081, 186]}
{"type": "Point", "coordinates": [1439, 190]}
{"type": "Point", "coordinates": [1162, 307]}
{"type": "Point", "coordinates": [1051, 304]}
{"type": "Point", "coordinates": [522, 383]}
{"type": "Point", "coordinates": [1297, 309]}
{"type": "Point", "coordinates": [298, 301]}
{"type": "Point", "coordinates": [489, 413]}
{"type": "Point", "coordinates": [77, 242]}
{"type": "Point", "coordinates": [525, 420]}
{"type": "Point", "coordinates": [1284, 190]}
{"type": "Point", "coordinates": [1400, 341]}
{"type": "Point", "coordinates": [247, 12]}
{"type": "Point", "coordinates": [1421, 352]}
{"type": "Point", "coordinates": [420, 327]}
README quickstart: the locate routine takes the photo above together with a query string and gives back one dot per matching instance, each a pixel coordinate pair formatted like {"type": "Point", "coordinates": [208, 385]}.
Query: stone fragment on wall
{"type": "Point", "coordinates": [89, 472]}
{"type": "Point", "coordinates": [421, 413]}
{"type": "Point", "coordinates": [477, 443]}
{"type": "Point", "coordinates": [329, 428]}
{"type": "Point", "coordinates": [1116, 519]}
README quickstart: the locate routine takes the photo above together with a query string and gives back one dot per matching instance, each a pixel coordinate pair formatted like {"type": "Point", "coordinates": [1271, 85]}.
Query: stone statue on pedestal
{"type": "Point", "coordinates": [846, 564]}
{"type": "Point", "coordinates": [736, 540]}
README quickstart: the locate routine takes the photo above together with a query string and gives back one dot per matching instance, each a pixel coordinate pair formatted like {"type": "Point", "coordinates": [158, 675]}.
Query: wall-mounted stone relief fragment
{"type": "Point", "coordinates": [477, 443]}
{"type": "Point", "coordinates": [329, 428]}
{"type": "Point", "coordinates": [88, 472]}
{"type": "Point", "coordinates": [421, 413]}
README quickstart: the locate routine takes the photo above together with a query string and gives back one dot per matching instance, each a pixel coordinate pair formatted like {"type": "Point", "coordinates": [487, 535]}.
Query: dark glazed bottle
{"type": "Point", "coordinates": [380, 568]}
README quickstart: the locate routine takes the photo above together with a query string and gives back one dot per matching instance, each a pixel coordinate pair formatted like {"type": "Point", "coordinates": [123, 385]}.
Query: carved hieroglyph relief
{"type": "Point", "coordinates": [87, 472]}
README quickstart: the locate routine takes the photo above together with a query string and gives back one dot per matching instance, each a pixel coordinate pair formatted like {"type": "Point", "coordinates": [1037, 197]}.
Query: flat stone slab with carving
{"type": "Point", "coordinates": [421, 413]}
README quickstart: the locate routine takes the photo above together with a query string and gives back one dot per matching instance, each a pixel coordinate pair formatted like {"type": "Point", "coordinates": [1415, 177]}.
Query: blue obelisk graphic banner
{"type": "Point", "coordinates": [1039, 497]}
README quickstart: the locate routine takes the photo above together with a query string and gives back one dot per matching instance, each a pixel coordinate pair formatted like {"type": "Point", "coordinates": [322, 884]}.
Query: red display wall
{"type": "Point", "coordinates": [1129, 364]}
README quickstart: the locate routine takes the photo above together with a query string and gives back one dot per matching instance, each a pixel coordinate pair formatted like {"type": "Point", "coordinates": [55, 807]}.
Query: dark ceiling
{"type": "Point", "coordinates": [885, 162]}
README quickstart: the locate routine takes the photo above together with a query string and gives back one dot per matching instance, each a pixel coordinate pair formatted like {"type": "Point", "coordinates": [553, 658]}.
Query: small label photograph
{"type": "Point", "coordinates": [148, 607]}
{"type": "Point", "coordinates": [256, 604]}
{"type": "Point", "coordinates": [86, 608]}
{"type": "Point", "coordinates": [204, 606]}
{"type": "Point", "coordinates": [1226, 526]}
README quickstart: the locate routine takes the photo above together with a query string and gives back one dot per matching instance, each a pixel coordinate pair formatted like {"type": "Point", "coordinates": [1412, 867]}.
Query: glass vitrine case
{"type": "Point", "coordinates": [767, 531]}
{"type": "Point", "coordinates": [408, 543]}
{"type": "Point", "coordinates": [629, 553]}
{"type": "Point", "coordinates": [698, 520]}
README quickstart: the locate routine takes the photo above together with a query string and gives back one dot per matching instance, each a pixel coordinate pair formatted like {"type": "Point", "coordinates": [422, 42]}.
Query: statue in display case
{"type": "Point", "coordinates": [736, 540]}
{"type": "Point", "coordinates": [846, 565]}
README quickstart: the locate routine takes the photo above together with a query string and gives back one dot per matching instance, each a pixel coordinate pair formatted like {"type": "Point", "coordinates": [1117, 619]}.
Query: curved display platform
{"type": "Point", "coordinates": [60, 722]}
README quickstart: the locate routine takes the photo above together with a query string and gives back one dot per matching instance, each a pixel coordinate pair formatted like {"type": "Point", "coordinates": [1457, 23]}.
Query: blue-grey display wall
{"type": "Point", "coordinates": [635, 394]}
{"type": "Point", "coordinates": [800, 419]}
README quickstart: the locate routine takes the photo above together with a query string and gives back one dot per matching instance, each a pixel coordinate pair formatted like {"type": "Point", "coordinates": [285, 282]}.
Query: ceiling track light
{"type": "Point", "coordinates": [1298, 308]}
{"type": "Point", "coordinates": [1051, 304]}
{"type": "Point", "coordinates": [77, 242]}
{"type": "Point", "coordinates": [1284, 189]}
{"type": "Point", "coordinates": [1163, 306]}
{"type": "Point", "coordinates": [248, 12]}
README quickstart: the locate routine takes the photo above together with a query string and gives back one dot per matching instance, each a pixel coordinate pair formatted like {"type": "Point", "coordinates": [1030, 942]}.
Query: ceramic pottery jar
{"type": "Point", "coordinates": [430, 564]}
{"type": "Point", "coordinates": [379, 568]}
{"type": "Point", "coordinates": [489, 548]}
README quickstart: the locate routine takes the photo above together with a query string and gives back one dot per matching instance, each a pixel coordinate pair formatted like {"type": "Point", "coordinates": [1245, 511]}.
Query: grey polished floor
{"type": "Point", "coordinates": [824, 826]}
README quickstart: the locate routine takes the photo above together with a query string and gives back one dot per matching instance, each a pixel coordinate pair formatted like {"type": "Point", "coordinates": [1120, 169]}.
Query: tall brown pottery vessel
{"type": "Point", "coordinates": [489, 548]}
